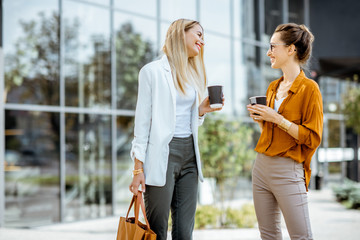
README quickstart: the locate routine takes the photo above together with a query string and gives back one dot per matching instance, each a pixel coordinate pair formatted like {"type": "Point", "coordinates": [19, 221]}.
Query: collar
{"type": "Point", "coordinates": [165, 62]}
{"type": "Point", "coordinates": [296, 84]}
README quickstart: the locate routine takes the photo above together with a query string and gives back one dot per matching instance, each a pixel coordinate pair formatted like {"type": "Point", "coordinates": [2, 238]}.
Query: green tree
{"type": "Point", "coordinates": [352, 109]}
{"type": "Point", "coordinates": [32, 69]}
{"type": "Point", "coordinates": [226, 149]}
{"type": "Point", "coordinates": [132, 53]}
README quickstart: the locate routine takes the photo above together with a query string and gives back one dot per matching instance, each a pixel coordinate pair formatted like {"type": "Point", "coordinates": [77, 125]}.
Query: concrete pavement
{"type": "Point", "coordinates": [329, 220]}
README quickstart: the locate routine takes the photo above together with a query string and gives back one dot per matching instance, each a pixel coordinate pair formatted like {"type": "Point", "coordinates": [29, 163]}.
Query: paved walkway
{"type": "Point", "coordinates": [329, 220]}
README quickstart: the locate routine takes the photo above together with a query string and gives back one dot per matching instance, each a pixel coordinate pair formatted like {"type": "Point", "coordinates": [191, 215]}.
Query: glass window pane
{"type": "Point", "coordinates": [334, 133]}
{"type": "Point", "coordinates": [214, 15]}
{"type": "Point", "coordinates": [240, 80]}
{"type": "Point", "coordinates": [258, 70]}
{"type": "Point", "coordinates": [238, 21]}
{"type": "Point", "coordinates": [175, 9]}
{"type": "Point", "coordinates": [125, 134]}
{"type": "Point", "coordinates": [87, 55]}
{"type": "Point", "coordinates": [248, 19]}
{"type": "Point", "coordinates": [88, 166]}
{"type": "Point", "coordinates": [296, 11]}
{"type": "Point", "coordinates": [102, 2]}
{"type": "Point", "coordinates": [273, 15]}
{"type": "Point", "coordinates": [253, 72]}
{"type": "Point", "coordinates": [135, 47]}
{"type": "Point", "coordinates": [32, 159]}
{"type": "Point", "coordinates": [31, 48]}
{"type": "Point", "coordinates": [146, 7]}
{"type": "Point", "coordinates": [218, 65]}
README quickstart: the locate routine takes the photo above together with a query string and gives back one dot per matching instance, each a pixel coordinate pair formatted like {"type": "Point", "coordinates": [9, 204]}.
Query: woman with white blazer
{"type": "Point", "coordinates": [165, 146]}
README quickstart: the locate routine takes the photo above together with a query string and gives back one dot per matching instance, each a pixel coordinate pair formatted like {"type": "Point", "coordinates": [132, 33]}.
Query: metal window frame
{"type": "Point", "coordinates": [62, 172]}
{"type": "Point", "coordinates": [2, 126]}
{"type": "Point", "coordinates": [113, 107]}
{"type": "Point", "coordinates": [232, 56]}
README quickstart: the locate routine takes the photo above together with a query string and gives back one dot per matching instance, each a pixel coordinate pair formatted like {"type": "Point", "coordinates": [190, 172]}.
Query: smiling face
{"type": "Point", "coordinates": [194, 40]}
{"type": "Point", "coordinates": [278, 52]}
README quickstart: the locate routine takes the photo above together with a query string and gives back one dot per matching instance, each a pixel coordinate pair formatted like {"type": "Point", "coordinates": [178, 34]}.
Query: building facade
{"type": "Point", "coordinates": [68, 83]}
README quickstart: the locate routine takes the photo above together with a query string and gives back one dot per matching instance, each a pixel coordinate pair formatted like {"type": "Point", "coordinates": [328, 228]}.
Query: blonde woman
{"type": "Point", "coordinates": [165, 146]}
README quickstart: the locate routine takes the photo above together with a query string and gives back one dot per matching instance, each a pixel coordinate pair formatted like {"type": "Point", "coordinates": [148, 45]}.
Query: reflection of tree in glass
{"type": "Point", "coordinates": [132, 53]}
{"type": "Point", "coordinates": [88, 81]}
{"type": "Point", "coordinates": [32, 71]}
{"type": "Point", "coordinates": [226, 151]}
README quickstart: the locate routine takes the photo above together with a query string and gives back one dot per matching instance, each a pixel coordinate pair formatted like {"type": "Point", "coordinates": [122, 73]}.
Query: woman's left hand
{"type": "Point", "coordinates": [265, 113]}
{"type": "Point", "coordinates": [204, 107]}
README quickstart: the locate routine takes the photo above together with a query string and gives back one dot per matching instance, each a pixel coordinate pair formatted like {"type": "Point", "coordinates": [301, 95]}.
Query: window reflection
{"type": "Point", "coordinates": [253, 73]}
{"type": "Point", "coordinates": [248, 21]}
{"type": "Point", "coordinates": [135, 42]}
{"type": "Point", "coordinates": [296, 11]}
{"type": "Point", "coordinates": [31, 168]}
{"type": "Point", "coordinates": [214, 15]}
{"type": "Point", "coordinates": [124, 136]}
{"type": "Point", "coordinates": [218, 65]}
{"type": "Point", "coordinates": [258, 70]}
{"type": "Point", "coordinates": [102, 2]}
{"type": "Point", "coordinates": [175, 9]}
{"type": "Point", "coordinates": [88, 166]}
{"type": "Point", "coordinates": [273, 15]}
{"type": "Point", "coordinates": [31, 48]}
{"type": "Point", "coordinates": [146, 7]}
{"type": "Point", "coordinates": [87, 55]}
{"type": "Point", "coordinates": [240, 81]}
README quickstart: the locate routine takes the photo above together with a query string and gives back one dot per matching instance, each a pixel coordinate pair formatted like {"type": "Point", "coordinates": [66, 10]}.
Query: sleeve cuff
{"type": "Point", "coordinates": [303, 135]}
{"type": "Point", "coordinates": [201, 119]}
{"type": "Point", "coordinates": [137, 153]}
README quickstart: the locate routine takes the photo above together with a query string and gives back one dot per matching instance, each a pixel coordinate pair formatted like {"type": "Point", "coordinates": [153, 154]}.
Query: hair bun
{"type": "Point", "coordinates": [306, 30]}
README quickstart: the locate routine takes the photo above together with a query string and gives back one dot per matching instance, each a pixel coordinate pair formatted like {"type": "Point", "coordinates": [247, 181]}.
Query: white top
{"type": "Point", "coordinates": [278, 103]}
{"type": "Point", "coordinates": [184, 105]}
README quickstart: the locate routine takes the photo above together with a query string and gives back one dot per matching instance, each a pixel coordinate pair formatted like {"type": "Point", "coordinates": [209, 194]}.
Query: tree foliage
{"type": "Point", "coordinates": [226, 149]}
{"type": "Point", "coordinates": [352, 109]}
{"type": "Point", "coordinates": [132, 53]}
{"type": "Point", "coordinates": [32, 70]}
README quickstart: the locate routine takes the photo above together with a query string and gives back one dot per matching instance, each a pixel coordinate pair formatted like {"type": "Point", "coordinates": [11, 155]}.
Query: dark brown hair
{"type": "Point", "coordinates": [300, 36]}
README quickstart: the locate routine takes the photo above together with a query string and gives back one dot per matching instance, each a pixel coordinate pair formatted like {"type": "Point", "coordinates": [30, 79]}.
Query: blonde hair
{"type": "Point", "coordinates": [184, 69]}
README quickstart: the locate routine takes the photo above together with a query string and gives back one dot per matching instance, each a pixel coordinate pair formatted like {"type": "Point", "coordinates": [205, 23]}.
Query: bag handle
{"type": "Point", "coordinates": [131, 204]}
{"type": "Point", "coordinates": [138, 202]}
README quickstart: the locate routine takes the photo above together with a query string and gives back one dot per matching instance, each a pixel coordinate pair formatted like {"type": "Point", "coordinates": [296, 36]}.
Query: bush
{"type": "Point", "coordinates": [342, 191]}
{"type": "Point", "coordinates": [348, 194]}
{"type": "Point", "coordinates": [206, 216]}
{"type": "Point", "coordinates": [352, 109]}
{"type": "Point", "coordinates": [354, 198]}
{"type": "Point", "coordinates": [241, 218]}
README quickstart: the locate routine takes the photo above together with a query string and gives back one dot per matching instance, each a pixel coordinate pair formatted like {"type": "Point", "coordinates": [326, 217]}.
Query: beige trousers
{"type": "Point", "coordinates": [279, 184]}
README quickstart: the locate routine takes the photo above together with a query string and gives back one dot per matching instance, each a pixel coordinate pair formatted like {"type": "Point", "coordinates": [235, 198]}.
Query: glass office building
{"type": "Point", "coordinates": [68, 83]}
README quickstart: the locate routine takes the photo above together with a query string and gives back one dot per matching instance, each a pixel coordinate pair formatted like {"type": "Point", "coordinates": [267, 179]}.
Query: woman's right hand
{"type": "Point", "coordinates": [138, 179]}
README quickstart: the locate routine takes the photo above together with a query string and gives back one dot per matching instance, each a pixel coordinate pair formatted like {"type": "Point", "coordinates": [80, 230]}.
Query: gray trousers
{"type": "Point", "coordinates": [279, 184]}
{"type": "Point", "coordinates": [179, 193]}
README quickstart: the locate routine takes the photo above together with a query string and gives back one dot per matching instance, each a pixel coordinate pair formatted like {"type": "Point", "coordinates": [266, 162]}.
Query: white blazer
{"type": "Point", "coordinates": [155, 117]}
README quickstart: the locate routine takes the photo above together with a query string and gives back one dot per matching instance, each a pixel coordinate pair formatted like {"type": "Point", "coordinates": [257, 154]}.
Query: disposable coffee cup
{"type": "Point", "coordinates": [215, 96]}
{"type": "Point", "coordinates": [257, 100]}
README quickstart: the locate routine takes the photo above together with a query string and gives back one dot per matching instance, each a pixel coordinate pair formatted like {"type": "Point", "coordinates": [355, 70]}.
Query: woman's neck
{"type": "Point", "coordinates": [290, 72]}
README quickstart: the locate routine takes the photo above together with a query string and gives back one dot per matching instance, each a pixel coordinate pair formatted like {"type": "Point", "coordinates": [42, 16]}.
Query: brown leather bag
{"type": "Point", "coordinates": [130, 228]}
